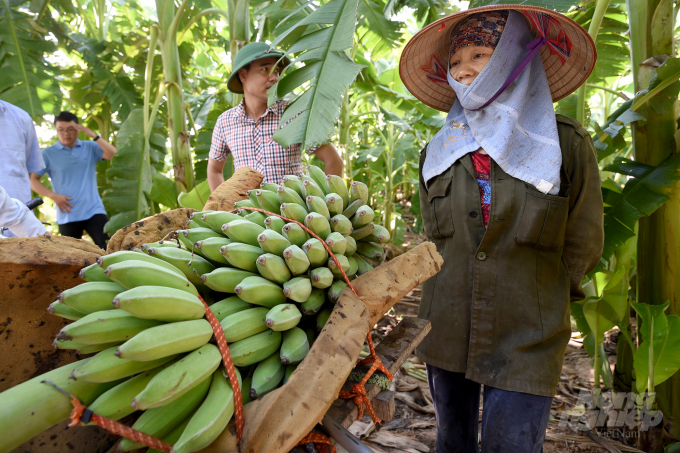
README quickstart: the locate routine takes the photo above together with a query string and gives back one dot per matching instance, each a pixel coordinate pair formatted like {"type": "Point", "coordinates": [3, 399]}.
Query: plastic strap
{"type": "Point", "coordinates": [318, 438]}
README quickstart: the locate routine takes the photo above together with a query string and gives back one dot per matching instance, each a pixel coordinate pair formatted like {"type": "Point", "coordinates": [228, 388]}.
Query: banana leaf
{"type": "Point", "coordinates": [378, 34]}
{"type": "Point", "coordinates": [647, 189]}
{"type": "Point", "coordinates": [311, 118]}
{"type": "Point", "coordinates": [195, 198]}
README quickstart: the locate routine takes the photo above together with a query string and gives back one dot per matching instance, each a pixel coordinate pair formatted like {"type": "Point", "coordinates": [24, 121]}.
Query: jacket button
{"type": "Point", "coordinates": [481, 256]}
{"type": "Point", "coordinates": [472, 214]}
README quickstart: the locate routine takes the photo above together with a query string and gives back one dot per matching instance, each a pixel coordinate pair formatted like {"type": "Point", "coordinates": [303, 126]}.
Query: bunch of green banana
{"type": "Point", "coordinates": [270, 284]}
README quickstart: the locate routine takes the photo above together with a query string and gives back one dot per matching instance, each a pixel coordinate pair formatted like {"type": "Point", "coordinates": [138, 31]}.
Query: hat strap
{"type": "Point", "coordinates": [534, 46]}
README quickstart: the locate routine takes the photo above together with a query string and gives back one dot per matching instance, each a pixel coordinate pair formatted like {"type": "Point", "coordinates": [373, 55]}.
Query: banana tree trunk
{"type": "Point", "coordinates": [651, 34]}
{"type": "Point", "coordinates": [172, 73]}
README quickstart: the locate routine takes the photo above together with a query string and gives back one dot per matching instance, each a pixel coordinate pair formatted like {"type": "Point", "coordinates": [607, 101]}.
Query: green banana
{"type": "Point", "coordinates": [292, 182]}
{"type": "Point", "coordinates": [337, 185]}
{"type": "Point", "coordinates": [64, 311]}
{"type": "Point", "coordinates": [274, 223]}
{"type": "Point", "coordinates": [130, 274]}
{"type": "Point", "coordinates": [298, 289]}
{"type": "Point", "coordinates": [174, 435]}
{"type": "Point", "coordinates": [216, 219]}
{"type": "Point", "coordinates": [83, 348]}
{"type": "Point", "coordinates": [252, 195]}
{"type": "Point", "coordinates": [160, 303]}
{"type": "Point", "coordinates": [208, 422]}
{"type": "Point", "coordinates": [244, 324]}
{"type": "Point", "coordinates": [311, 334]}
{"type": "Point", "coordinates": [318, 205]}
{"type": "Point", "coordinates": [363, 266]}
{"type": "Point", "coordinates": [245, 204]}
{"type": "Point", "coordinates": [286, 195]}
{"type": "Point", "coordinates": [225, 279]}
{"type": "Point", "coordinates": [289, 370]}
{"type": "Point", "coordinates": [318, 224]}
{"type": "Point", "coordinates": [335, 290]}
{"type": "Point", "coordinates": [256, 348]}
{"type": "Point", "coordinates": [319, 177]}
{"type": "Point", "coordinates": [360, 233]}
{"type": "Point", "coordinates": [189, 237]}
{"type": "Point", "coordinates": [243, 231]}
{"type": "Point", "coordinates": [90, 297]}
{"type": "Point", "coordinates": [32, 407]}
{"type": "Point", "coordinates": [192, 266]}
{"type": "Point", "coordinates": [321, 277]}
{"type": "Point", "coordinates": [270, 186]}
{"type": "Point", "coordinates": [353, 265]}
{"type": "Point", "coordinates": [341, 224]}
{"type": "Point", "coordinates": [160, 421]}
{"type": "Point", "coordinates": [166, 340]}
{"type": "Point", "coordinates": [243, 256]}
{"type": "Point", "coordinates": [127, 255]}
{"type": "Point", "coordinates": [351, 248]}
{"type": "Point", "coordinates": [260, 291]}
{"type": "Point", "coordinates": [105, 327]}
{"type": "Point", "coordinates": [337, 243]}
{"type": "Point", "coordinates": [196, 218]}
{"type": "Point", "coordinates": [166, 243]}
{"type": "Point", "coordinates": [273, 242]}
{"type": "Point", "coordinates": [273, 267]}
{"type": "Point", "coordinates": [295, 234]}
{"type": "Point", "coordinates": [379, 235]}
{"type": "Point", "coordinates": [370, 250]}
{"type": "Point", "coordinates": [107, 367]}
{"type": "Point", "coordinates": [93, 273]}
{"type": "Point", "coordinates": [194, 224]}
{"type": "Point", "coordinates": [322, 317]}
{"type": "Point", "coordinates": [352, 208]}
{"type": "Point", "coordinates": [316, 252]}
{"type": "Point", "coordinates": [294, 346]}
{"type": "Point", "coordinates": [314, 303]}
{"type": "Point", "coordinates": [363, 216]}
{"type": "Point", "coordinates": [294, 211]}
{"type": "Point", "coordinates": [334, 203]}
{"type": "Point", "coordinates": [116, 402]}
{"type": "Point", "coordinates": [342, 262]}
{"type": "Point", "coordinates": [245, 390]}
{"type": "Point", "coordinates": [256, 217]}
{"type": "Point", "coordinates": [228, 306]}
{"type": "Point", "coordinates": [210, 248]}
{"type": "Point", "coordinates": [358, 191]}
{"type": "Point", "coordinates": [268, 375]}
{"type": "Point", "coordinates": [296, 260]}
{"type": "Point", "coordinates": [179, 378]}
{"type": "Point", "coordinates": [283, 317]}
{"type": "Point", "coordinates": [268, 200]}
{"type": "Point", "coordinates": [311, 188]}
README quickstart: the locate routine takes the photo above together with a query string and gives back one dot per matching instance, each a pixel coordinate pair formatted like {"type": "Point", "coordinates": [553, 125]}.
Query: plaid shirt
{"type": "Point", "coordinates": [251, 144]}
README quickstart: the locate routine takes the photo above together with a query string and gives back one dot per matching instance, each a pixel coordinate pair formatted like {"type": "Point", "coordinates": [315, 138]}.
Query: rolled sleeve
{"type": "Point", "coordinates": [219, 150]}
{"type": "Point", "coordinates": [34, 158]}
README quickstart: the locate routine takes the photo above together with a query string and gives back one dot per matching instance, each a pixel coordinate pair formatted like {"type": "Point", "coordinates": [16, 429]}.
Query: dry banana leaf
{"type": "Point", "coordinates": [234, 189]}
{"type": "Point", "coordinates": [151, 229]}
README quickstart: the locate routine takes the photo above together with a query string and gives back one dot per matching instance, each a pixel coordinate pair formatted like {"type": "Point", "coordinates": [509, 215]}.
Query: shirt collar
{"type": "Point", "coordinates": [276, 108]}
{"type": "Point", "coordinates": [66, 148]}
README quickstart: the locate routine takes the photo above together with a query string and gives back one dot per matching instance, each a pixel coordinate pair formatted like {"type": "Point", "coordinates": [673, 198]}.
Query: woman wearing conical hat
{"type": "Point", "coordinates": [510, 194]}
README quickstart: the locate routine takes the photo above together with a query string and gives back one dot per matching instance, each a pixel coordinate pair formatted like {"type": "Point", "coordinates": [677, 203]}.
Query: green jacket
{"type": "Point", "coordinates": [499, 307]}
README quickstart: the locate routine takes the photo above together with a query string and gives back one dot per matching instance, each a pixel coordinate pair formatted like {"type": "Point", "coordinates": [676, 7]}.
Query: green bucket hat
{"type": "Point", "coordinates": [247, 55]}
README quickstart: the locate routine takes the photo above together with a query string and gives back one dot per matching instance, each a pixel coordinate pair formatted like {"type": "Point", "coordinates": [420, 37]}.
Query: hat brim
{"type": "Point", "coordinates": [435, 39]}
{"type": "Point", "coordinates": [234, 82]}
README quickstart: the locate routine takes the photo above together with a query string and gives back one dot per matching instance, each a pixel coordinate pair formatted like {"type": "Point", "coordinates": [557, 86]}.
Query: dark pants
{"type": "Point", "coordinates": [94, 227]}
{"type": "Point", "coordinates": [512, 422]}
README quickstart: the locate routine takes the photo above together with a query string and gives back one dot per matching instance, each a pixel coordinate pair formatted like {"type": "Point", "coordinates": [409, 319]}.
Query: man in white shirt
{"type": "Point", "coordinates": [19, 151]}
{"type": "Point", "coordinates": [15, 216]}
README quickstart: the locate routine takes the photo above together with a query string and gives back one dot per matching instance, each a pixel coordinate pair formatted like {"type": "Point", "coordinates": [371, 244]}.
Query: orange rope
{"type": "Point", "coordinates": [319, 438]}
{"type": "Point", "coordinates": [358, 392]}
{"type": "Point", "coordinates": [229, 367]}
{"type": "Point", "coordinates": [81, 413]}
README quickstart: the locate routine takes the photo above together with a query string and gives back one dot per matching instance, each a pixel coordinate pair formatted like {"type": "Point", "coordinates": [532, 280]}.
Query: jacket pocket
{"type": "Point", "coordinates": [440, 208]}
{"type": "Point", "coordinates": [543, 221]}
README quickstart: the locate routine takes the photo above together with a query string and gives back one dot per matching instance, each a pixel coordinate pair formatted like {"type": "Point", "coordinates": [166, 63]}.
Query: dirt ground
{"type": "Point", "coordinates": [413, 428]}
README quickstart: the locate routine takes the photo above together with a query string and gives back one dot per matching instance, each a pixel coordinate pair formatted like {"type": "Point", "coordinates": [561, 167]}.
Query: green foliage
{"type": "Point", "coordinates": [195, 198]}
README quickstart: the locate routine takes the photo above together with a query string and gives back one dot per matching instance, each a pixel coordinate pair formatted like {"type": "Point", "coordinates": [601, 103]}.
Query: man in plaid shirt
{"type": "Point", "coordinates": [246, 130]}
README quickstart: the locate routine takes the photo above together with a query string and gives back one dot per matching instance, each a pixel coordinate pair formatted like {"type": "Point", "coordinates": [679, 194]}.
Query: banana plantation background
{"type": "Point", "coordinates": [151, 78]}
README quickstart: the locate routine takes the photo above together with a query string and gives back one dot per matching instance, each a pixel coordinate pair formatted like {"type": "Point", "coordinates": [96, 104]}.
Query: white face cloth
{"type": "Point", "coordinates": [518, 130]}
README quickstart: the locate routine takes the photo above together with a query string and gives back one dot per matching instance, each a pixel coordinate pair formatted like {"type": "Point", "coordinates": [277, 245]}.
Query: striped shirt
{"type": "Point", "coordinates": [250, 143]}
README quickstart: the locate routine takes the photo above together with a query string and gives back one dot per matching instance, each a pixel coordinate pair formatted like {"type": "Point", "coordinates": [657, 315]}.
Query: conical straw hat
{"type": "Point", "coordinates": [435, 40]}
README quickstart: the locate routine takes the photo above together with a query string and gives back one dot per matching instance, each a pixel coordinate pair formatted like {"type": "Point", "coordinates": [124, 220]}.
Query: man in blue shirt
{"type": "Point", "coordinates": [72, 166]}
